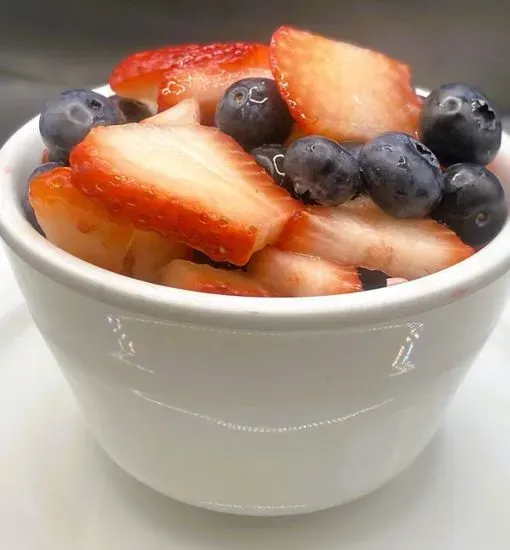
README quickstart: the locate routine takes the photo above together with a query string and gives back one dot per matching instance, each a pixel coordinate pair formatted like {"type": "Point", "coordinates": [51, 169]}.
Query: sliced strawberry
{"type": "Point", "coordinates": [192, 183]}
{"type": "Point", "coordinates": [291, 274]}
{"type": "Point", "coordinates": [204, 278]}
{"type": "Point", "coordinates": [185, 112]}
{"type": "Point", "coordinates": [74, 223]}
{"type": "Point", "coordinates": [205, 84]}
{"type": "Point", "coordinates": [45, 157]}
{"type": "Point", "coordinates": [342, 91]}
{"type": "Point", "coordinates": [139, 75]}
{"type": "Point", "coordinates": [149, 252]}
{"type": "Point", "coordinates": [361, 234]}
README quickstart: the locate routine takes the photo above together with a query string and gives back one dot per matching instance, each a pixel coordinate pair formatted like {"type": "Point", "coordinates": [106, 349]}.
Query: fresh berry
{"type": "Point", "coordinates": [27, 207]}
{"type": "Point", "coordinates": [149, 252]}
{"type": "Point", "coordinates": [201, 258]}
{"type": "Point", "coordinates": [132, 109]}
{"type": "Point", "coordinates": [292, 275]}
{"type": "Point", "coordinates": [473, 203]}
{"type": "Point", "coordinates": [270, 157]}
{"type": "Point", "coordinates": [401, 175]}
{"type": "Point", "coordinates": [372, 278]}
{"type": "Point", "coordinates": [359, 233]}
{"type": "Point", "coordinates": [77, 225]}
{"type": "Point", "coordinates": [65, 121]}
{"type": "Point", "coordinates": [207, 83]}
{"type": "Point", "coordinates": [139, 76]}
{"type": "Point", "coordinates": [342, 91]}
{"type": "Point", "coordinates": [204, 278]}
{"type": "Point", "coordinates": [42, 168]}
{"type": "Point", "coordinates": [185, 112]}
{"type": "Point", "coordinates": [192, 183]}
{"type": "Point", "coordinates": [460, 125]}
{"type": "Point", "coordinates": [253, 113]}
{"type": "Point", "coordinates": [354, 147]}
{"type": "Point", "coordinates": [321, 171]}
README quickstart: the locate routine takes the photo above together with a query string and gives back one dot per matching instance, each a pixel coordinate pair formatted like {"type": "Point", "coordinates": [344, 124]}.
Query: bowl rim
{"type": "Point", "coordinates": [232, 312]}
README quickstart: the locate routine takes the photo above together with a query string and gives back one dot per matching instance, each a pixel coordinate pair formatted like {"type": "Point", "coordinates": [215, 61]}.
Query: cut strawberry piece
{"type": "Point", "coordinates": [149, 253]}
{"type": "Point", "coordinates": [204, 278]}
{"type": "Point", "coordinates": [77, 225]}
{"type": "Point", "coordinates": [185, 112]}
{"type": "Point", "coordinates": [361, 234]}
{"type": "Point", "coordinates": [342, 91]}
{"type": "Point", "coordinates": [206, 84]}
{"type": "Point", "coordinates": [192, 183]}
{"type": "Point", "coordinates": [291, 274]}
{"type": "Point", "coordinates": [139, 75]}
{"type": "Point", "coordinates": [45, 157]}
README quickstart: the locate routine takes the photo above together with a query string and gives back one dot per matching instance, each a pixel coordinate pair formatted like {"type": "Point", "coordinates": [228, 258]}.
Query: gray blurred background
{"type": "Point", "coordinates": [49, 45]}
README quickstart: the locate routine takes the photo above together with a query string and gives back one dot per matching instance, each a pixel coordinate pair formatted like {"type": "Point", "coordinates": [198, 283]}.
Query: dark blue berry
{"type": "Point", "coordinates": [62, 157]}
{"type": "Point", "coordinates": [67, 120]}
{"type": "Point", "coordinates": [132, 109]}
{"type": "Point", "coordinates": [459, 124]}
{"type": "Point", "coordinates": [253, 112]}
{"type": "Point", "coordinates": [25, 203]}
{"type": "Point", "coordinates": [372, 278]}
{"type": "Point", "coordinates": [321, 171]}
{"type": "Point", "coordinates": [473, 203]}
{"type": "Point", "coordinates": [401, 175]}
{"type": "Point", "coordinates": [43, 168]}
{"type": "Point", "coordinates": [353, 147]}
{"type": "Point", "coordinates": [270, 157]}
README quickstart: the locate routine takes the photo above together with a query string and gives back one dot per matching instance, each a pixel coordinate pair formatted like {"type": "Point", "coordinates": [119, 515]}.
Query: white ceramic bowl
{"type": "Point", "coordinates": [250, 405]}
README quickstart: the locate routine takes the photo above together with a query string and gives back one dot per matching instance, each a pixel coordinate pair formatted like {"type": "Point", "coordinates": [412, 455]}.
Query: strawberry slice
{"type": "Point", "coordinates": [86, 230]}
{"type": "Point", "coordinates": [185, 112]}
{"type": "Point", "coordinates": [139, 75]}
{"type": "Point", "coordinates": [291, 274]}
{"type": "Point", "coordinates": [361, 234]}
{"type": "Point", "coordinates": [204, 278]}
{"type": "Point", "coordinates": [77, 225]}
{"type": "Point", "coordinates": [206, 84]}
{"type": "Point", "coordinates": [192, 183]}
{"type": "Point", "coordinates": [149, 252]}
{"type": "Point", "coordinates": [342, 91]}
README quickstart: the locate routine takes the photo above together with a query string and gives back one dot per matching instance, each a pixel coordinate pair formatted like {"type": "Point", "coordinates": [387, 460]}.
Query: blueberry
{"type": "Point", "coordinates": [67, 120]}
{"type": "Point", "coordinates": [253, 113]}
{"type": "Point", "coordinates": [132, 109]}
{"type": "Point", "coordinates": [201, 258]}
{"type": "Point", "coordinates": [459, 124]}
{"type": "Point", "coordinates": [25, 203]}
{"type": "Point", "coordinates": [401, 175]}
{"type": "Point", "coordinates": [62, 157]}
{"type": "Point", "coordinates": [353, 147]}
{"type": "Point", "coordinates": [321, 171]}
{"type": "Point", "coordinates": [372, 278]}
{"type": "Point", "coordinates": [270, 157]}
{"type": "Point", "coordinates": [43, 168]}
{"type": "Point", "coordinates": [473, 203]}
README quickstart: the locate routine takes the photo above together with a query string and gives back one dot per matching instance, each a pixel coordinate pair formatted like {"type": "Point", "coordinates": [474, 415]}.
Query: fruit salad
{"type": "Point", "coordinates": [303, 167]}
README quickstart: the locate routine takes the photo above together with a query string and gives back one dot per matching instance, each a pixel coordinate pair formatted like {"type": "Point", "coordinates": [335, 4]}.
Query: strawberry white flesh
{"type": "Point", "coordinates": [359, 233]}
{"type": "Point", "coordinates": [294, 275]}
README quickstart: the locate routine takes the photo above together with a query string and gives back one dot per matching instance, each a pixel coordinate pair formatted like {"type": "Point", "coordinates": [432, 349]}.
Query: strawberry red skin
{"type": "Point", "coordinates": [139, 75]}
{"type": "Point", "coordinates": [153, 207]}
{"type": "Point", "coordinates": [204, 278]}
{"type": "Point", "coordinates": [328, 93]}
